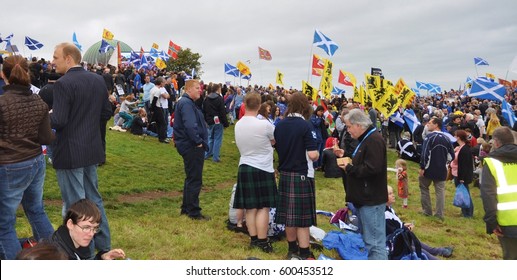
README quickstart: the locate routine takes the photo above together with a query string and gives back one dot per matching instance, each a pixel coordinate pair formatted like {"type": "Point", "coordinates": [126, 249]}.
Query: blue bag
{"type": "Point", "coordinates": [349, 245]}
{"type": "Point", "coordinates": [461, 197]}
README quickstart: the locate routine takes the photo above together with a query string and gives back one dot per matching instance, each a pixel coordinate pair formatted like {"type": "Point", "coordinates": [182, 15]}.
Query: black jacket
{"type": "Point", "coordinates": [213, 105]}
{"type": "Point", "coordinates": [366, 178]}
{"type": "Point", "coordinates": [61, 237]}
{"type": "Point", "coordinates": [465, 165]}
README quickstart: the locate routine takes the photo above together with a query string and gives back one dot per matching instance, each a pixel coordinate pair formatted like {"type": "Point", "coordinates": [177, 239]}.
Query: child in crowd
{"type": "Point", "coordinates": [140, 123]}
{"type": "Point", "coordinates": [402, 184]}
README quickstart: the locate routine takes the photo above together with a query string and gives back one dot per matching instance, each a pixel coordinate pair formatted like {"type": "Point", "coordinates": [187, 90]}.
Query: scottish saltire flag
{"type": "Point", "coordinates": [479, 61]}
{"type": "Point", "coordinates": [153, 52]}
{"type": "Point", "coordinates": [76, 43]}
{"type": "Point", "coordinates": [397, 119]}
{"type": "Point", "coordinates": [434, 88]}
{"type": "Point", "coordinates": [163, 56]}
{"type": "Point", "coordinates": [483, 89]}
{"type": "Point", "coordinates": [143, 63]}
{"type": "Point", "coordinates": [32, 44]}
{"type": "Point", "coordinates": [105, 46]}
{"type": "Point", "coordinates": [336, 90]}
{"type": "Point", "coordinates": [247, 77]}
{"type": "Point", "coordinates": [421, 85]}
{"type": "Point", "coordinates": [7, 39]}
{"type": "Point", "coordinates": [417, 91]}
{"type": "Point", "coordinates": [231, 70]}
{"type": "Point", "coordinates": [411, 119]}
{"type": "Point", "coordinates": [324, 42]}
{"type": "Point", "coordinates": [508, 113]}
{"type": "Point", "coordinates": [135, 59]}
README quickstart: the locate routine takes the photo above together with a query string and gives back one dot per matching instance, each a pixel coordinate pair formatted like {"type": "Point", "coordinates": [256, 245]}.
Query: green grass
{"type": "Point", "coordinates": [141, 184]}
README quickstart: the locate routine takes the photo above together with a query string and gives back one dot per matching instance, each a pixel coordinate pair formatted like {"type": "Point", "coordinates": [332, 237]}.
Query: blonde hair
{"type": "Point", "coordinates": [402, 163]}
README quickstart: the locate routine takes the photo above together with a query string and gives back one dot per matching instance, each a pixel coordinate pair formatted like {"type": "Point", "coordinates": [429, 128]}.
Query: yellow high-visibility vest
{"type": "Point", "coordinates": [505, 175]}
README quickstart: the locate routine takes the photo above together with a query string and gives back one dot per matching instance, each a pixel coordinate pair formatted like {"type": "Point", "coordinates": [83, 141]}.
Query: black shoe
{"type": "Point", "coordinates": [200, 217]}
{"type": "Point", "coordinates": [447, 252]}
{"type": "Point", "coordinates": [265, 246]}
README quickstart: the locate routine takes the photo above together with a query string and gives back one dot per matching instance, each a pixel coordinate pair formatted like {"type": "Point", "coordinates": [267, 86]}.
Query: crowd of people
{"type": "Point", "coordinates": [467, 137]}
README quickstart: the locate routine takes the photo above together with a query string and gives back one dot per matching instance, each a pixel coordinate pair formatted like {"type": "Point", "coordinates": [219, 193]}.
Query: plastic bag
{"type": "Point", "coordinates": [349, 245]}
{"type": "Point", "coordinates": [461, 197]}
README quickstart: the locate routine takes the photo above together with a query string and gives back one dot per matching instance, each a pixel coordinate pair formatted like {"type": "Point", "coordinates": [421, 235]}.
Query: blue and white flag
{"type": "Point", "coordinates": [247, 77]}
{"type": "Point", "coordinates": [411, 119]}
{"type": "Point", "coordinates": [508, 113]}
{"type": "Point", "coordinates": [434, 88]}
{"type": "Point", "coordinates": [143, 63]}
{"type": "Point", "coordinates": [32, 44]}
{"type": "Point", "coordinates": [105, 46]}
{"type": "Point", "coordinates": [135, 59]}
{"type": "Point", "coordinates": [153, 53]}
{"type": "Point", "coordinates": [7, 39]}
{"type": "Point", "coordinates": [231, 70]}
{"type": "Point", "coordinates": [337, 91]}
{"type": "Point", "coordinates": [483, 89]}
{"type": "Point", "coordinates": [324, 42]}
{"type": "Point", "coordinates": [76, 43]}
{"type": "Point", "coordinates": [397, 119]}
{"type": "Point", "coordinates": [421, 85]}
{"type": "Point", "coordinates": [479, 61]}
{"type": "Point", "coordinates": [164, 56]}
{"type": "Point", "coordinates": [417, 91]}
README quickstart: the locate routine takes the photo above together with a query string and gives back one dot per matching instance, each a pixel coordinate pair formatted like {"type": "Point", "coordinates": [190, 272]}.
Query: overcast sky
{"type": "Point", "coordinates": [429, 41]}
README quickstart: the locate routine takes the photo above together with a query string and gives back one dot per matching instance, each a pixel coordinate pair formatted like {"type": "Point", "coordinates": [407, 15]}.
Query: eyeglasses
{"type": "Point", "coordinates": [87, 229]}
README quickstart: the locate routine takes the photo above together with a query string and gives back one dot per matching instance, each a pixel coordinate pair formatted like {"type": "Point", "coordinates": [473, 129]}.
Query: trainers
{"type": "Point", "coordinates": [310, 257]}
{"type": "Point", "coordinates": [293, 256]}
{"type": "Point", "coordinates": [447, 252]}
{"type": "Point", "coordinates": [265, 246]}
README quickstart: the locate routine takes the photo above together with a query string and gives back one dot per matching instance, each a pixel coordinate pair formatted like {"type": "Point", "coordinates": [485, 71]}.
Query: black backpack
{"type": "Point", "coordinates": [403, 244]}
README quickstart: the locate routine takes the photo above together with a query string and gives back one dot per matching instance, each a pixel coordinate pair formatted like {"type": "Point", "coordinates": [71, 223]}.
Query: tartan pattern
{"type": "Point", "coordinates": [255, 188]}
{"type": "Point", "coordinates": [297, 200]}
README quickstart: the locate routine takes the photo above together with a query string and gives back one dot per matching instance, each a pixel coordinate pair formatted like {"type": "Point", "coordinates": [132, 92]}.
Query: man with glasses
{"type": "Point", "coordinates": [437, 152]}
{"type": "Point", "coordinates": [75, 235]}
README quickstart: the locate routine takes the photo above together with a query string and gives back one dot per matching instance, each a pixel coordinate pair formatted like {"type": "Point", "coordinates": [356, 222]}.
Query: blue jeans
{"type": "Point", "coordinates": [22, 182]}
{"type": "Point", "coordinates": [193, 161]}
{"type": "Point", "coordinates": [79, 183]}
{"type": "Point", "coordinates": [372, 224]}
{"type": "Point", "coordinates": [215, 140]}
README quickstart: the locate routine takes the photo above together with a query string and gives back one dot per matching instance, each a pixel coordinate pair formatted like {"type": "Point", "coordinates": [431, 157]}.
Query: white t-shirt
{"type": "Point", "coordinates": [164, 101]}
{"type": "Point", "coordinates": [156, 91]}
{"type": "Point", "coordinates": [253, 138]}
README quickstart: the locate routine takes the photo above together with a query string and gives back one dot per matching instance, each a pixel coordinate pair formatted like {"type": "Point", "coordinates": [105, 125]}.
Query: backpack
{"type": "Point", "coordinates": [403, 244]}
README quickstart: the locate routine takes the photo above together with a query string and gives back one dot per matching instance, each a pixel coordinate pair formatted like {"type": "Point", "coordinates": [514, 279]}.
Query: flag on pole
{"type": "Point", "coordinates": [483, 89]}
{"type": "Point", "coordinates": [76, 43]}
{"type": "Point", "coordinates": [153, 53]}
{"type": "Point", "coordinates": [7, 39]}
{"type": "Point", "coordinates": [400, 85]}
{"type": "Point", "coordinates": [264, 54]}
{"type": "Point", "coordinates": [32, 44]}
{"type": "Point", "coordinates": [247, 77]}
{"type": "Point", "coordinates": [115, 56]}
{"type": "Point", "coordinates": [318, 64]}
{"type": "Point", "coordinates": [279, 78]}
{"type": "Point", "coordinates": [324, 42]}
{"type": "Point", "coordinates": [346, 78]}
{"type": "Point", "coordinates": [326, 114]}
{"type": "Point", "coordinates": [134, 58]}
{"type": "Point", "coordinates": [309, 90]}
{"type": "Point", "coordinates": [491, 77]}
{"type": "Point", "coordinates": [326, 79]}
{"type": "Point", "coordinates": [479, 61]}
{"type": "Point", "coordinates": [508, 113]}
{"type": "Point", "coordinates": [338, 91]}
{"type": "Point", "coordinates": [243, 68]}
{"type": "Point", "coordinates": [231, 70]}
{"type": "Point", "coordinates": [105, 46]}
{"type": "Point", "coordinates": [143, 63]}
{"type": "Point", "coordinates": [422, 85]}
{"type": "Point", "coordinates": [141, 52]}
{"type": "Point", "coordinates": [434, 88]}
{"type": "Point", "coordinates": [106, 34]}
{"type": "Point", "coordinates": [514, 83]}
{"type": "Point", "coordinates": [388, 103]}
{"type": "Point", "coordinates": [505, 82]}
{"type": "Point", "coordinates": [397, 119]}
{"type": "Point", "coordinates": [155, 46]}
{"type": "Point", "coordinates": [173, 50]}
{"type": "Point", "coordinates": [160, 63]}
{"type": "Point", "coordinates": [411, 119]}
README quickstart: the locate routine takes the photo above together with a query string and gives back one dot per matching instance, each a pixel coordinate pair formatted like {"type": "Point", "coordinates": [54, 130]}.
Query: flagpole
{"type": "Point", "coordinates": [506, 77]}
{"type": "Point", "coordinates": [475, 65]}
{"type": "Point", "coordinates": [309, 76]}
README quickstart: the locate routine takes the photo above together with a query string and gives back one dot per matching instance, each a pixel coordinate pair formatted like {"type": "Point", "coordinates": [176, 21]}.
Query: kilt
{"type": "Point", "coordinates": [297, 200]}
{"type": "Point", "coordinates": [255, 188]}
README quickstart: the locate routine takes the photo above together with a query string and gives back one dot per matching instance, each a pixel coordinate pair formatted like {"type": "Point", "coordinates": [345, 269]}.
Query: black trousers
{"type": "Point", "coordinates": [193, 161]}
{"type": "Point", "coordinates": [161, 126]}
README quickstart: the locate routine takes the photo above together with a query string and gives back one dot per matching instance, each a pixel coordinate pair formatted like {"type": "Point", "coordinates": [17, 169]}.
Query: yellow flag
{"type": "Point", "coordinates": [372, 81]}
{"type": "Point", "coordinates": [160, 63]}
{"type": "Point", "coordinates": [243, 68]}
{"type": "Point", "coordinates": [279, 78]}
{"type": "Point", "coordinates": [155, 46]}
{"type": "Point", "coordinates": [389, 103]}
{"type": "Point", "coordinates": [309, 91]}
{"type": "Point", "coordinates": [357, 96]}
{"type": "Point", "coordinates": [406, 96]}
{"type": "Point", "coordinates": [490, 76]}
{"type": "Point", "coordinates": [326, 80]}
{"type": "Point", "coordinates": [365, 95]}
{"type": "Point", "coordinates": [106, 34]}
{"type": "Point", "coordinates": [400, 85]}
{"type": "Point", "coordinates": [271, 86]}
